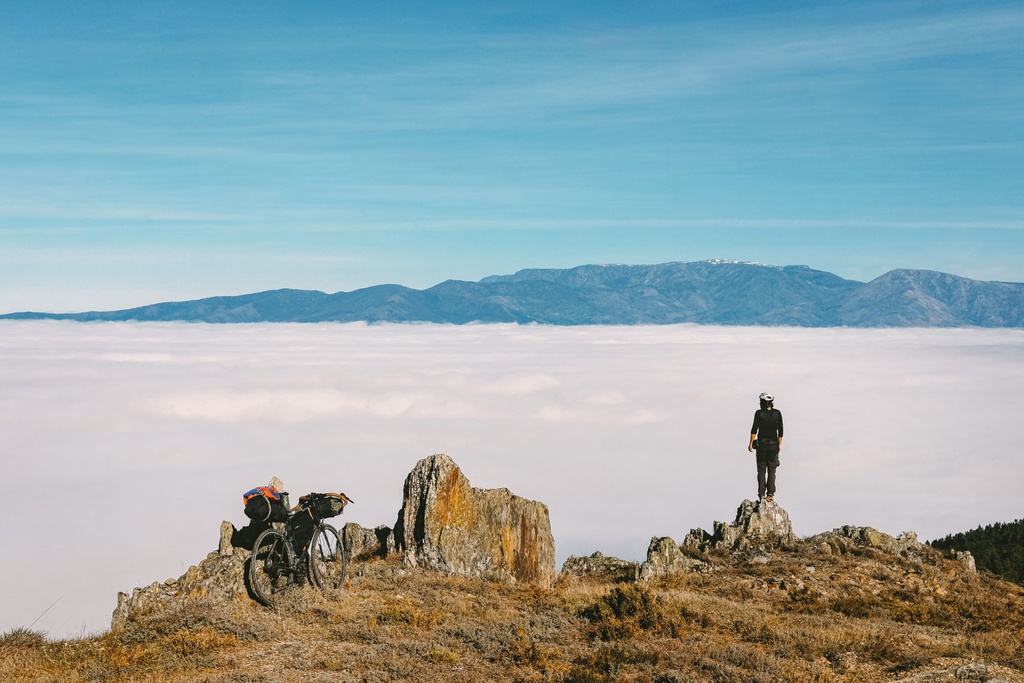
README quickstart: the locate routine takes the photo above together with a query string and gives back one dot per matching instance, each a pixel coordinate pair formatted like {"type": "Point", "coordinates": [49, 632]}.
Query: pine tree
{"type": "Point", "coordinates": [998, 548]}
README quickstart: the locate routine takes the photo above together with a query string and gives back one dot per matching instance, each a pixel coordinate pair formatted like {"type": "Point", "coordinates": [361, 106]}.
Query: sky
{"type": "Point", "coordinates": [154, 151]}
{"type": "Point", "coordinates": [125, 444]}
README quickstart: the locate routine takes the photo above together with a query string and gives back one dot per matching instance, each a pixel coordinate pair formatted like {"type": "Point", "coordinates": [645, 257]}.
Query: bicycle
{"type": "Point", "coordinates": [275, 565]}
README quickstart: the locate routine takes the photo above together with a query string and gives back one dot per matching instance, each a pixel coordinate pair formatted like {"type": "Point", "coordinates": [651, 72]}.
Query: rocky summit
{"type": "Point", "coordinates": [461, 590]}
{"type": "Point", "coordinates": [759, 527]}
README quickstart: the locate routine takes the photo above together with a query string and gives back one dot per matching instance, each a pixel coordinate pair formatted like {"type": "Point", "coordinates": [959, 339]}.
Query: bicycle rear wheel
{"type": "Point", "coordinates": [269, 571]}
{"type": "Point", "coordinates": [327, 561]}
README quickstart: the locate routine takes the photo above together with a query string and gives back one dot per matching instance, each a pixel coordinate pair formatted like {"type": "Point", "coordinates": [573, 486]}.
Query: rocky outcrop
{"type": "Point", "coordinates": [847, 538]}
{"type": "Point", "coordinates": [665, 558]}
{"type": "Point", "coordinates": [218, 578]}
{"type": "Point", "coordinates": [966, 560]}
{"type": "Point", "coordinates": [364, 544]}
{"type": "Point", "coordinates": [444, 524]}
{"type": "Point", "coordinates": [448, 525]}
{"type": "Point", "coordinates": [844, 538]}
{"type": "Point", "coordinates": [600, 567]}
{"type": "Point", "coordinates": [759, 527]}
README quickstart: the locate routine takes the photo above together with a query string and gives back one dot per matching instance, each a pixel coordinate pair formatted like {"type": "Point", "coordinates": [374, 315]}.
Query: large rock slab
{"type": "Point", "coordinates": [448, 525]}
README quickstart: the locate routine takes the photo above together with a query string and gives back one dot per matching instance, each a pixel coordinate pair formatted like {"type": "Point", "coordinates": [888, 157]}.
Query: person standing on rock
{"type": "Point", "coordinates": [766, 437]}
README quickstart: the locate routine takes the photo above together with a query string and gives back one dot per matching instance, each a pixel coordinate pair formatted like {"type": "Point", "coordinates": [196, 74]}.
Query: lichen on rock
{"type": "Point", "coordinates": [759, 526]}
{"type": "Point", "coordinates": [599, 566]}
{"type": "Point", "coordinates": [843, 538]}
{"type": "Point", "coordinates": [665, 558]}
{"type": "Point", "coordinates": [448, 525]}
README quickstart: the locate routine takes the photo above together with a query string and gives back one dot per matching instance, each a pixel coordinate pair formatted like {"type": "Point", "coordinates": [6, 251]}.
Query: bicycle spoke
{"type": "Point", "coordinates": [327, 561]}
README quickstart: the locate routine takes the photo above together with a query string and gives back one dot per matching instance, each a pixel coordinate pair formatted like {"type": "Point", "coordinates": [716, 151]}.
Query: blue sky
{"type": "Point", "coordinates": [154, 151]}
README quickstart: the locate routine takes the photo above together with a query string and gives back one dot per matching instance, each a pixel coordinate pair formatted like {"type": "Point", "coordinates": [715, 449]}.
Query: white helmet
{"type": "Point", "coordinates": [765, 396]}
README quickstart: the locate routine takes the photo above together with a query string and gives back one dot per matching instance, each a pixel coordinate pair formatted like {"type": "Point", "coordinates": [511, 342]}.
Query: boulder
{"type": "Point", "coordinates": [363, 544]}
{"type": "Point", "coordinates": [600, 567]}
{"type": "Point", "coordinates": [665, 558]}
{"type": "Point", "coordinates": [448, 525]}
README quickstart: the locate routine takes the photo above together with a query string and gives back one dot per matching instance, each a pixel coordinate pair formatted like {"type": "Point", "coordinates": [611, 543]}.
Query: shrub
{"type": "Point", "coordinates": [22, 638]}
{"type": "Point", "coordinates": [608, 664]}
{"type": "Point", "coordinates": [627, 611]}
{"type": "Point", "coordinates": [523, 650]}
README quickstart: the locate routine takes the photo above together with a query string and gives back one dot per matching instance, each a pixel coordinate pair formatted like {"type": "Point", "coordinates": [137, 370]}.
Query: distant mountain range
{"type": "Point", "coordinates": [705, 292]}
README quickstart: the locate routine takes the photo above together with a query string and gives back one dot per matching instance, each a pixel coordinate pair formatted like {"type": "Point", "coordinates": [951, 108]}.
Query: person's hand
{"type": "Point", "coordinates": [750, 449]}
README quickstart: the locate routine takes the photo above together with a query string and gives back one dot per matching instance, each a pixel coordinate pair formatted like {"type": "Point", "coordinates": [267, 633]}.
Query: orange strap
{"type": "Point", "coordinates": [264, 491]}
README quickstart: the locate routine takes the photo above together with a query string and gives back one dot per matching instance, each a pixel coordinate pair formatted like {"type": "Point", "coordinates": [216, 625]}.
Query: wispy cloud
{"type": "Point", "coordinates": [294, 406]}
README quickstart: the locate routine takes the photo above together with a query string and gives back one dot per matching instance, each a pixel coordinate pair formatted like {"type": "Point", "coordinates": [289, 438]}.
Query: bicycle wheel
{"type": "Point", "coordinates": [327, 561]}
{"type": "Point", "coordinates": [269, 572]}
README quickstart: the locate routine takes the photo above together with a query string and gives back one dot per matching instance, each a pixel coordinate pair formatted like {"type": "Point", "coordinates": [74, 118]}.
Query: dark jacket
{"type": "Point", "coordinates": [768, 429]}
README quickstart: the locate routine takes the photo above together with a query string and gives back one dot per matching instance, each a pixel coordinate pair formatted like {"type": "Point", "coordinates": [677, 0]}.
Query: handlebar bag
{"type": "Point", "coordinates": [325, 505]}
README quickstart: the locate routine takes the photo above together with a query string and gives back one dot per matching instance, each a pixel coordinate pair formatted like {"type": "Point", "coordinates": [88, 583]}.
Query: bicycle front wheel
{"type": "Point", "coordinates": [269, 572]}
{"type": "Point", "coordinates": [327, 561]}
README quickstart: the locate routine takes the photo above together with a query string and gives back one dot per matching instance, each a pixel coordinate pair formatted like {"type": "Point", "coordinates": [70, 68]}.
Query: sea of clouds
{"type": "Point", "coordinates": [125, 445]}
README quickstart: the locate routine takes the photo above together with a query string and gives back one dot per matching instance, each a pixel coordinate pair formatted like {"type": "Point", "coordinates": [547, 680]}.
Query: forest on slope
{"type": "Point", "coordinates": [998, 548]}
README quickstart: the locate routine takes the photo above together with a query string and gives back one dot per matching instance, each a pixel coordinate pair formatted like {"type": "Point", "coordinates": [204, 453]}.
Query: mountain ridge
{"type": "Point", "coordinates": [715, 292]}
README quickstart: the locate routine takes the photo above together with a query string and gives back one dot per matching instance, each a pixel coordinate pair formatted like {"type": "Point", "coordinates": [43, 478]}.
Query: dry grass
{"type": "Point", "coordinates": [854, 618]}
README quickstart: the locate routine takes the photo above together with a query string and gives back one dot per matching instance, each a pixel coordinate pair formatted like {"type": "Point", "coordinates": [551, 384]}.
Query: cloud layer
{"type": "Point", "coordinates": [128, 443]}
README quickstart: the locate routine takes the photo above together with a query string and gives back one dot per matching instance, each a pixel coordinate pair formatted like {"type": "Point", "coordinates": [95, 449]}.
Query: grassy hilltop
{"type": "Point", "coordinates": [857, 614]}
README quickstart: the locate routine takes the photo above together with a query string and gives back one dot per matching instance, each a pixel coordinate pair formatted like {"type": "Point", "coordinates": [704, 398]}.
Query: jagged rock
{"type": "Point", "coordinates": [665, 558]}
{"type": "Point", "coordinates": [842, 539]}
{"type": "Point", "coordinates": [227, 530]}
{"type": "Point", "coordinates": [759, 526]}
{"type": "Point", "coordinates": [362, 543]}
{"type": "Point", "coordinates": [698, 539]}
{"type": "Point", "coordinates": [219, 578]}
{"type": "Point", "coordinates": [448, 525]}
{"type": "Point", "coordinates": [600, 566]}
{"type": "Point", "coordinates": [965, 558]}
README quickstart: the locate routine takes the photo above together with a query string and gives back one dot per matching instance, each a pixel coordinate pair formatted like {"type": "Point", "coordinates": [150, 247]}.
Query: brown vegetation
{"type": "Point", "coordinates": [804, 615]}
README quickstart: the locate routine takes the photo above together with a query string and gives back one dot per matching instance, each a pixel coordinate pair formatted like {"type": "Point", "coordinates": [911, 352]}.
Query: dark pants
{"type": "Point", "coordinates": [767, 461]}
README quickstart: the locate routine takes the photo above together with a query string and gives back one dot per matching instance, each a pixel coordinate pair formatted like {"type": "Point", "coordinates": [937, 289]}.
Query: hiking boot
{"type": "Point", "coordinates": [770, 498]}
